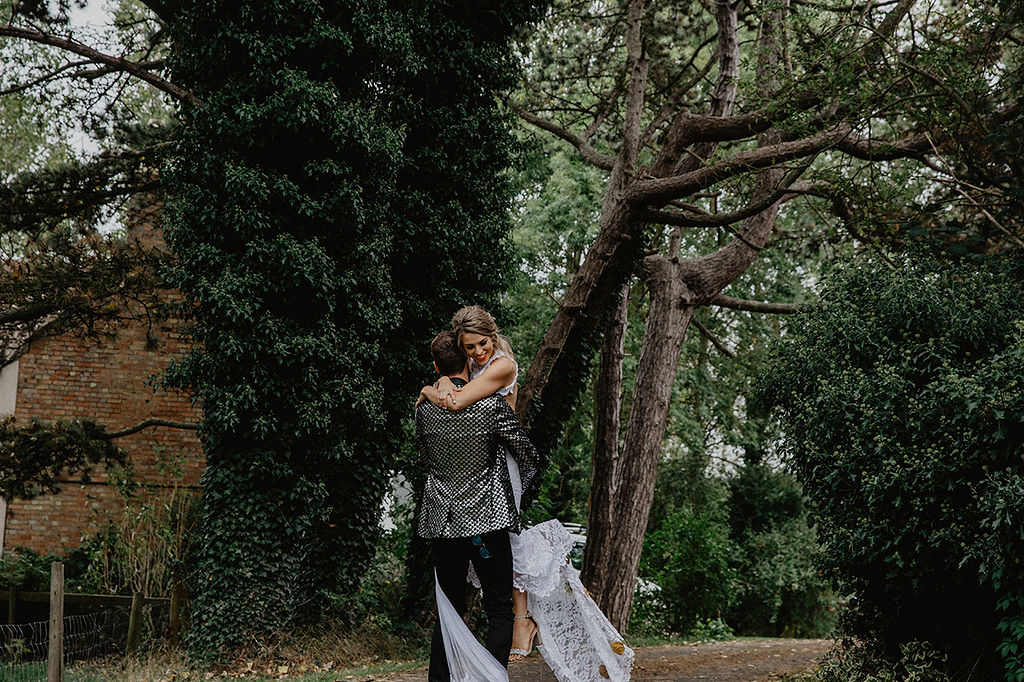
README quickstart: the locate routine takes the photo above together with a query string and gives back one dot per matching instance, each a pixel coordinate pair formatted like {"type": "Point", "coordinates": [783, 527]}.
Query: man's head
{"type": "Point", "coordinates": [448, 357]}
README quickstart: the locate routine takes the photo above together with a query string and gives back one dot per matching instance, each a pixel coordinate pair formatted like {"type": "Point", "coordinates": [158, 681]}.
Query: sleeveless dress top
{"type": "Point", "coordinates": [476, 370]}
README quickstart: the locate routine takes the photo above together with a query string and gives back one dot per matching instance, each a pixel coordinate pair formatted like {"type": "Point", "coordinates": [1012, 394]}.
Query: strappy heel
{"type": "Point", "coordinates": [515, 655]}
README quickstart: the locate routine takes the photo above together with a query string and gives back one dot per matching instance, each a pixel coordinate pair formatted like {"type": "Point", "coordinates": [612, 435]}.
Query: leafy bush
{"type": "Point", "coordinates": [780, 589]}
{"type": "Point", "coordinates": [902, 399]}
{"type": "Point", "coordinates": [916, 662]}
{"type": "Point", "coordinates": [142, 546]}
{"type": "Point", "coordinates": [26, 569]}
{"type": "Point", "coordinates": [710, 630]}
{"type": "Point", "coordinates": [688, 558]}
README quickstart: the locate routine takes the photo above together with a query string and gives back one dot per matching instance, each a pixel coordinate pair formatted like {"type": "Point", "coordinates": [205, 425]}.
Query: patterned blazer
{"type": "Point", "coordinates": [468, 489]}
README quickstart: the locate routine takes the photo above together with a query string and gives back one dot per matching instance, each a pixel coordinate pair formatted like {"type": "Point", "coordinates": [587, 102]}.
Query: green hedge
{"type": "Point", "coordinates": [902, 399]}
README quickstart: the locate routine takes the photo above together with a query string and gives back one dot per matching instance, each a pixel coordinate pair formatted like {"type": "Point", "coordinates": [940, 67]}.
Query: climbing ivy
{"type": "Point", "coordinates": [335, 197]}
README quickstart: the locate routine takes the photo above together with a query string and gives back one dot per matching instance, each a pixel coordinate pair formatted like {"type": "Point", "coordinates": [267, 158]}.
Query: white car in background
{"type": "Point", "coordinates": [579, 536]}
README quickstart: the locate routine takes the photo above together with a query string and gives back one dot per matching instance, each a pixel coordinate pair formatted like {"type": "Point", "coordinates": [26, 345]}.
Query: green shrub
{"type": "Point", "coordinates": [916, 662]}
{"type": "Point", "coordinates": [710, 630]}
{"type": "Point", "coordinates": [902, 399]}
{"type": "Point", "coordinates": [687, 557]}
{"type": "Point", "coordinates": [781, 591]}
{"type": "Point", "coordinates": [142, 546]}
{"type": "Point", "coordinates": [26, 570]}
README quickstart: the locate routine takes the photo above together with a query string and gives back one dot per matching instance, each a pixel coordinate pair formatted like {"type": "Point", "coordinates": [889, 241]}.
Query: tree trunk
{"type": "Point", "coordinates": [607, 410]}
{"type": "Point", "coordinates": [590, 300]}
{"type": "Point", "coordinates": [669, 317]}
{"type": "Point", "coordinates": [676, 289]}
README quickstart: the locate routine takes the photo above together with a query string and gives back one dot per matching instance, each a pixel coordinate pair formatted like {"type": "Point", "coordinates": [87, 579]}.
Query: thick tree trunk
{"type": "Point", "coordinates": [607, 268]}
{"type": "Point", "coordinates": [590, 301]}
{"type": "Point", "coordinates": [607, 410]}
{"type": "Point", "coordinates": [669, 317]}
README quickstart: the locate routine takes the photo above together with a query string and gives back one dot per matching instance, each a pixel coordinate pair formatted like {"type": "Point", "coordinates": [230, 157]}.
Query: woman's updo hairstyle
{"type": "Point", "coordinates": [475, 320]}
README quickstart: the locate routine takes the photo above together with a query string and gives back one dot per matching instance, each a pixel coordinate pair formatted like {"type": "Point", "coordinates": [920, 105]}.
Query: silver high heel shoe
{"type": "Point", "coordinates": [515, 655]}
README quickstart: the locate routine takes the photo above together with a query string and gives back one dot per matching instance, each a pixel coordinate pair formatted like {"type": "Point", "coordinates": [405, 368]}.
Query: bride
{"type": "Point", "coordinates": [550, 604]}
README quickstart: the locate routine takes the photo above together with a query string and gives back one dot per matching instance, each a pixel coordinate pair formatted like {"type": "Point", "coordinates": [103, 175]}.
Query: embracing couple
{"type": "Point", "coordinates": [479, 462]}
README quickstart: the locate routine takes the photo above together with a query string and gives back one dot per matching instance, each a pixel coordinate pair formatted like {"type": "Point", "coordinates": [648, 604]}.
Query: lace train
{"type": "Point", "coordinates": [580, 645]}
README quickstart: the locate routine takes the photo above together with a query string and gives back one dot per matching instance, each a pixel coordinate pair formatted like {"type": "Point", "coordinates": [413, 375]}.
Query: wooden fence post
{"type": "Point", "coordinates": [55, 669]}
{"type": "Point", "coordinates": [174, 615]}
{"type": "Point", "coordinates": [134, 625]}
{"type": "Point", "coordinates": [12, 605]}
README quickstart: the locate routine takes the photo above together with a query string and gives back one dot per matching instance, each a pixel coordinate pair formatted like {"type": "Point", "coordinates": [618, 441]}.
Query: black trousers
{"type": "Point", "coordinates": [451, 560]}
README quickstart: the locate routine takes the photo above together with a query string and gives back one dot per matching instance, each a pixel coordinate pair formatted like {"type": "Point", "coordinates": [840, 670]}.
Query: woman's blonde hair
{"type": "Point", "coordinates": [475, 320]}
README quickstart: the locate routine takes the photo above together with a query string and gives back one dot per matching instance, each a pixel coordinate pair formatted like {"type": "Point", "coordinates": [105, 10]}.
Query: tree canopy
{"type": "Point", "coordinates": [727, 130]}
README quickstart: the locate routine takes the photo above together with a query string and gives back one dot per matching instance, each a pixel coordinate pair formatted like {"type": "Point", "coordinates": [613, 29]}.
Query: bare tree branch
{"type": "Point", "coordinates": [660, 190]}
{"type": "Point", "coordinates": [724, 219]}
{"type": "Point", "coordinates": [117, 63]}
{"type": "Point", "coordinates": [882, 150]}
{"type": "Point", "coordinates": [712, 338]}
{"type": "Point", "coordinates": [588, 153]}
{"type": "Point", "coordinates": [873, 49]}
{"type": "Point", "coordinates": [21, 87]}
{"type": "Point", "coordinates": [149, 423]}
{"type": "Point", "coordinates": [724, 301]}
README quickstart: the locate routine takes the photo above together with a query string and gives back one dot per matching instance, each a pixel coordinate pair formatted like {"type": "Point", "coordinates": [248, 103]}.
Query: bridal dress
{"type": "Point", "coordinates": [579, 643]}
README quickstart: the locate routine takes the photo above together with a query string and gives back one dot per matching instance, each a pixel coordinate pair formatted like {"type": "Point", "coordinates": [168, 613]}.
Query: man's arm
{"type": "Point", "coordinates": [513, 436]}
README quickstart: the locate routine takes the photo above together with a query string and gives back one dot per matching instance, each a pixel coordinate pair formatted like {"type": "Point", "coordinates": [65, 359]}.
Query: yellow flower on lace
{"type": "Point", "coordinates": [618, 647]}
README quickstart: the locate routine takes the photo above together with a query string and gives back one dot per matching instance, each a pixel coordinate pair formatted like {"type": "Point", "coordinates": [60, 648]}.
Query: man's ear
{"type": "Point", "coordinates": [436, 369]}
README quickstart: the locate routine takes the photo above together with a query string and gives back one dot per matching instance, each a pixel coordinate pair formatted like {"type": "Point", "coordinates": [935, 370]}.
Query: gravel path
{"type": "Point", "coordinates": [743, 661]}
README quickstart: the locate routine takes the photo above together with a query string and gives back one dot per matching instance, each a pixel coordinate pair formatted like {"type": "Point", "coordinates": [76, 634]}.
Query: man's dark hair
{"type": "Point", "coordinates": [445, 351]}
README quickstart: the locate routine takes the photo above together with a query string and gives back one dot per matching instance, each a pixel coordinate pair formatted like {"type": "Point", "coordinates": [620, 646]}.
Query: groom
{"type": "Point", "coordinates": [468, 508]}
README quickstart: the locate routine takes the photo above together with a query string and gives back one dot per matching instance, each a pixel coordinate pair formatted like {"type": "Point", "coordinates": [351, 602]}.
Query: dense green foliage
{"type": "Point", "coordinates": [737, 546]}
{"type": "Point", "coordinates": [902, 403]}
{"type": "Point", "coordinates": [37, 458]}
{"type": "Point", "coordinates": [688, 559]}
{"type": "Point", "coordinates": [334, 198]}
{"type": "Point", "coordinates": [780, 588]}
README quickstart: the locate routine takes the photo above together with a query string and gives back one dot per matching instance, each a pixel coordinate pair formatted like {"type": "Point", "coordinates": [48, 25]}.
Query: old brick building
{"type": "Point", "coordinates": [107, 381]}
{"type": "Point", "coordinates": [67, 377]}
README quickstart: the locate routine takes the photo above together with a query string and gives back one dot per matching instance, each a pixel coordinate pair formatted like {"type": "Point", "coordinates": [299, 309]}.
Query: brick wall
{"type": "Point", "coordinates": [66, 377]}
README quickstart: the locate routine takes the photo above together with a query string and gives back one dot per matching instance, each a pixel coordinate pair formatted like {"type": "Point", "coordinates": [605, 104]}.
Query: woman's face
{"type": "Point", "coordinates": [478, 347]}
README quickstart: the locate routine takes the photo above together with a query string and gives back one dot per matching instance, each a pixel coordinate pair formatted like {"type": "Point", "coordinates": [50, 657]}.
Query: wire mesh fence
{"type": "Point", "coordinates": [99, 627]}
{"type": "Point", "coordinates": [24, 647]}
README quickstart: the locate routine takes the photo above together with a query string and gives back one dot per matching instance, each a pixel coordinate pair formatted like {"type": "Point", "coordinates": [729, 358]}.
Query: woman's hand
{"type": "Point", "coordinates": [445, 393]}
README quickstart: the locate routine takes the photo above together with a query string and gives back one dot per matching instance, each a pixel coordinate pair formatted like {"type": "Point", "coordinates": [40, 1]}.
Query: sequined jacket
{"type": "Point", "coordinates": [468, 489]}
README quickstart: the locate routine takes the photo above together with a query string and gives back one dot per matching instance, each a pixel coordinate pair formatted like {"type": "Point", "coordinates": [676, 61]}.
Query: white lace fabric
{"type": "Point", "coordinates": [579, 644]}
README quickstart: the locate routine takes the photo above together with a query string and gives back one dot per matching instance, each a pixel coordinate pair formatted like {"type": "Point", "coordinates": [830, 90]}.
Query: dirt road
{"type": "Point", "coordinates": [756, 661]}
